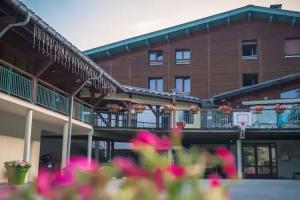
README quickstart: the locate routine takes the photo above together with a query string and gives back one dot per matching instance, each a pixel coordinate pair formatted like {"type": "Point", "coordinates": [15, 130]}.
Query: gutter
{"type": "Point", "coordinates": [21, 23]}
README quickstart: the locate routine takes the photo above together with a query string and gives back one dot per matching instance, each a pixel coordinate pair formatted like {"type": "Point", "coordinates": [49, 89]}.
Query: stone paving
{"type": "Point", "coordinates": [266, 190]}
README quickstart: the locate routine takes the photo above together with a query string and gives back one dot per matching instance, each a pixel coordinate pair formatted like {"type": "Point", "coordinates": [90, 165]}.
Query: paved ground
{"type": "Point", "coordinates": [266, 190]}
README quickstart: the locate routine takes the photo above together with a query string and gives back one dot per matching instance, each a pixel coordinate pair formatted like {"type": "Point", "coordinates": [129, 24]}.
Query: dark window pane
{"type": "Point", "coordinates": [292, 47]}
{"type": "Point", "coordinates": [249, 49]}
{"type": "Point", "coordinates": [250, 79]}
{"type": "Point", "coordinates": [249, 156]}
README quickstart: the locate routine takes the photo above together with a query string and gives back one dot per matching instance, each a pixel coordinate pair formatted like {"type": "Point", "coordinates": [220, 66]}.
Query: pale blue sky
{"type": "Point", "coordinates": [91, 23]}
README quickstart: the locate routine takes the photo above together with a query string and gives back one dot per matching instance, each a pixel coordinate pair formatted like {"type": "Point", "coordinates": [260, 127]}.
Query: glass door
{"type": "Point", "coordinates": [259, 161]}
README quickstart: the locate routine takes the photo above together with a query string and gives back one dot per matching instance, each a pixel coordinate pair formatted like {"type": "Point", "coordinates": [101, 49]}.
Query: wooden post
{"type": "Point", "coordinates": [34, 95]}
{"type": "Point", "coordinates": [157, 114]}
{"type": "Point", "coordinates": [129, 115]}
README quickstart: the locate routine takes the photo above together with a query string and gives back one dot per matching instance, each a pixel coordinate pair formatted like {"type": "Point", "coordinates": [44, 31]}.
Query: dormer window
{"type": "Point", "coordinates": [156, 57]}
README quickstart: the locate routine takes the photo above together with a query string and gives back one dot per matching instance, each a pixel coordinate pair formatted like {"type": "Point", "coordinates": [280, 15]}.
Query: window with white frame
{"type": "Point", "coordinates": [183, 85]}
{"type": "Point", "coordinates": [249, 49]}
{"type": "Point", "coordinates": [183, 56]}
{"type": "Point", "coordinates": [156, 84]}
{"type": "Point", "coordinates": [156, 57]}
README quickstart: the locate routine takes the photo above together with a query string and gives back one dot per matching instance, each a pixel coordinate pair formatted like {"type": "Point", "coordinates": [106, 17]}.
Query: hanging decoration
{"type": "Point", "coordinates": [46, 44]}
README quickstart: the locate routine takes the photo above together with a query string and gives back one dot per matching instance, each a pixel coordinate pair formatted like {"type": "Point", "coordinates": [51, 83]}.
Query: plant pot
{"type": "Point", "coordinates": [139, 110]}
{"type": "Point", "coordinates": [112, 110]}
{"type": "Point", "coordinates": [16, 175]}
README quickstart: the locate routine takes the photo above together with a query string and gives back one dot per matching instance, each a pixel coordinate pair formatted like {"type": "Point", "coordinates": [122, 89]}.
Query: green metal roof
{"type": "Point", "coordinates": [249, 11]}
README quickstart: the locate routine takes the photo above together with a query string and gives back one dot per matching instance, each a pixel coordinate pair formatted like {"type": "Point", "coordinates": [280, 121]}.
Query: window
{"type": "Point", "coordinates": [292, 48]}
{"type": "Point", "coordinates": [291, 94]}
{"type": "Point", "coordinates": [186, 116]}
{"type": "Point", "coordinates": [250, 79]}
{"type": "Point", "coordinates": [183, 85]}
{"type": "Point", "coordinates": [156, 57]}
{"type": "Point", "coordinates": [249, 49]}
{"type": "Point", "coordinates": [183, 56]}
{"type": "Point", "coordinates": [156, 84]}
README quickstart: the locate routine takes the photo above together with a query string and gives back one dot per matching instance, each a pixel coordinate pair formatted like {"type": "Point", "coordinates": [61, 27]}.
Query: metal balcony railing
{"type": "Point", "coordinates": [205, 119]}
{"type": "Point", "coordinates": [15, 84]}
{"type": "Point", "coordinates": [51, 99]}
{"type": "Point", "coordinates": [20, 85]}
{"type": "Point", "coordinates": [82, 112]}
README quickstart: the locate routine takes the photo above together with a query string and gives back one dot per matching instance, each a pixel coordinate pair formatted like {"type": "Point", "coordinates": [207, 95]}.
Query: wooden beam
{"type": "Point", "coordinates": [187, 32]}
{"type": "Point", "coordinates": [167, 38]}
{"type": "Point", "coordinates": [293, 22]}
{"type": "Point", "coordinates": [249, 16]}
{"type": "Point", "coordinates": [228, 21]}
{"type": "Point", "coordinates": [99, 99]}
{"type": "Point", "coordinates": [271, 19]}
{"type": "Point", "coordinates": [45, 66]}
{"type": "Point", "coordinates": [128, 48]}
{"type": "Point", "coordinates": [207, 27]}
{"type": "Point", "coordinates": [147, 44]}
{"type": "Point", "coordinates": [108, 53]}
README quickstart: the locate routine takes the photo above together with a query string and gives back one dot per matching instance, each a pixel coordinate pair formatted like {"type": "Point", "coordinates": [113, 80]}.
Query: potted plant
{"type": "Point", "coordinates": [194, 109]}
{"type": "Point", "coordinates": [280, 108]}
{"type": "Point", "coordinates": [168, 108]}
{"type": "Point", "coordinates": [113, 107]}
{"type": "Point", "coordinates": [16, 171]}
{"type": "Point", "coordinates": [139, 108]}
{"type": "Point", "coordinates": [258, 109]}
{"type": "Point", "coordinates": [225, 109]}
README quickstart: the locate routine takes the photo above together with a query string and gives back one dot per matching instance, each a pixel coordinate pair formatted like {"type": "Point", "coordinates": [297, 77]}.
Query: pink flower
{"type": "Point", "coordinates": [82, 163]}
{"type": "Point", "coordinates": [158, 179]}
{"type": "Point", "coordinates": [43, 183]}
{"type": "Point", "coordinates": [128, 167]}
{"type": "Point", "coordinates": [5, 192]}
{"type": "Point", "coordinates": [214, 181]}
{"type": "Point", "coordinates": [64, 178]}
{"type": "Point", "coordinates": [176, 171]}
{"type": "Point", "coordinates": [225, 155]}
{"type": "Point", "coordinates": [146, 138]}
{"type": "Point", "coordinates": [228, 162]}
{"type": "Point", "coordinates": [85, 191]}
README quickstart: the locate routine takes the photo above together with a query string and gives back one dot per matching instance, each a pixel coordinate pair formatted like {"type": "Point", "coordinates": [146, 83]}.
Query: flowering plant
{"type": "Point", "coordinates": [225, 109]}
{"type": "Point", "coordinates": [139, 107]}
{"type": "Point", "coordinates": [168, 108]}
{"type": "Point", "coordinates": [17, 163]}
{"type": "Point", "coordinates": [154, 178]}
{"type": "Point", "coordinates": [258, 109]}
{"type": "Point", "coordinates": [279, 108]}
{"type": "Point", "coordinates": [113, 107]}
{"type": "Point", "coordinates": [194, 109]}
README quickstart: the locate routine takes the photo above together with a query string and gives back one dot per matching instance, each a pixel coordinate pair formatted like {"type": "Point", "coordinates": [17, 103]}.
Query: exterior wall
{"type": "Point", "coordinates": [12, 128]}
{"type": "Point", "coordinates": [290, 148]}
{"type": "Point", "coordinates": [216, 64]}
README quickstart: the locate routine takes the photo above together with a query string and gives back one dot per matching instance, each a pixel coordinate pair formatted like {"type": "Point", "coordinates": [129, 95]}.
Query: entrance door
{"type": "Point", "coordinates": [259, 161]}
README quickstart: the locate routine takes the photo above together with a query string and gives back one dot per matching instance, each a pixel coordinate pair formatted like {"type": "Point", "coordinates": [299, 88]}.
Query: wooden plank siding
{"type": "Point", "coordinates": [216, 64]}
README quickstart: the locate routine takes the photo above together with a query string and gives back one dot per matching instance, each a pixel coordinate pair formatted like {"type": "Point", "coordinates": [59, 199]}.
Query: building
{"type": "Point", "coordinates": [208, 56]}
{"type": "Point", "coordinates": [248, 58]}
{"type": "Point", "coordinates": [54, 100]}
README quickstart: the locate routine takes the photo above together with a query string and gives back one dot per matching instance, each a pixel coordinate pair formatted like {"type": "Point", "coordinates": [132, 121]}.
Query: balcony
{"type": "Point", "coordinates": [208, 119]}
{"type": "Point", "coordinates": [21, 86]}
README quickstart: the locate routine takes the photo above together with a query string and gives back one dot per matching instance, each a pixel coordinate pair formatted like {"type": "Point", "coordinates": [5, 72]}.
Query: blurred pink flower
{"type": "Point", "coordinates": [158, 179]}
{"type": "Point", "coordinates": [129, 168]}
{"type": "Point", "coordinates": [44, 183]}
{"type": "Point", "coordinates": [85, 191]}
{"type": "Point", "coordinates": [176, 171]}
{"type": "Point", "coordinates": [6, 191]}
{"type": "Point", "coordinates": [82, 163]}
{"type": "Point", "coordinates": [228, 161]}
{"type": "Point", "coordinates": [150, 139]}
{"type": "Point", "coordinates": [63, 178]}
{"type": "Point", "coordinates": [214, 181]}
{"type": "Point", "coordinates": [225, 155]}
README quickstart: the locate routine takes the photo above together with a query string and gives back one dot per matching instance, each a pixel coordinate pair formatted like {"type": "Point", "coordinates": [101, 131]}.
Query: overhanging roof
{"type": "Point", "coordinates": [249, 11]}
{"type": "Point", "coordinates": [21, 8]}
{"type": "Point", "coordinates": [259, 86]}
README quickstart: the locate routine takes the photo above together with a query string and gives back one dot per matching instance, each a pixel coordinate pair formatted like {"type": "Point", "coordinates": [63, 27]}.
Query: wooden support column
{"type": "Point", "coordinates": [129, 115]}
{"type": "Point", "coordinates": [89, 146]}
{"type": "Point", "coordinates": [239, 158]}
{"type": "Point", "coordinates": [157, 112]}
{"type": "Point", "coordinates": [34, 95]}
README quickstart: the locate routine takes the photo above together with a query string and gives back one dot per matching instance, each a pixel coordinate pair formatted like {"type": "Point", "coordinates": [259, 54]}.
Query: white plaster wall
{"type": "Point", "coordinates": [12, 129]}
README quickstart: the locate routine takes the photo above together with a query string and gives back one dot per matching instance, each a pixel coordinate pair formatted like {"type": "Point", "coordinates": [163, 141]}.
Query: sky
{"type": "Point", "coordinates": [92, 23]}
